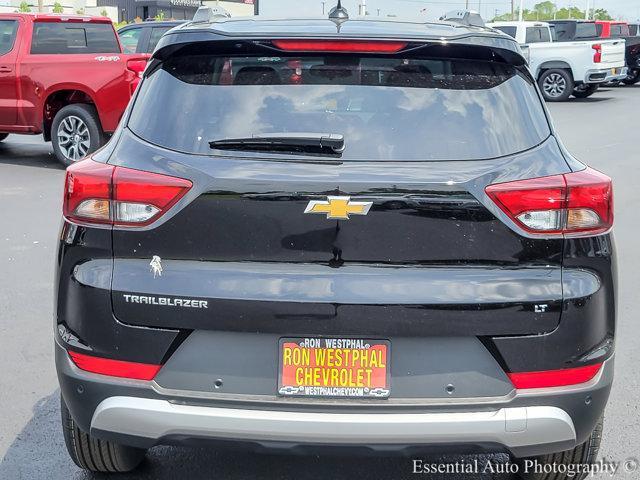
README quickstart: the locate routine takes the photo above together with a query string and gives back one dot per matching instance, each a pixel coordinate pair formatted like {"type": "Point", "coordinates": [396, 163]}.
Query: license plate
{"type": "Point", "coordinates": [334, 367]}
{"type": "Point", "coordinates": [614, 71]}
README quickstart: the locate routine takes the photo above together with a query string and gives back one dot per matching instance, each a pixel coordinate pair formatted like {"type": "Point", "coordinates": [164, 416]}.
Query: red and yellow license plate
{"type": "Point", "coordinates": [334, 367]}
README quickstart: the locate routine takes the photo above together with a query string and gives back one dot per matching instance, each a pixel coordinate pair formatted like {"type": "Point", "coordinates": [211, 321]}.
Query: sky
{"type": "Point", "coordinates": [432, 9]}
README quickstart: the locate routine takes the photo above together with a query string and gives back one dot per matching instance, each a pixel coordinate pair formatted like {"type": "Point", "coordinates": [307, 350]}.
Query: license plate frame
{"type": "Point", "coordinates": [359, 384]}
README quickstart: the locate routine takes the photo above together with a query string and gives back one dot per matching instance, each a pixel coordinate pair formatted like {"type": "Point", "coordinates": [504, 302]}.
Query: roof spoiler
{"type": "Point", "coordinates": [210, 14]}
{"type": "Point", "coordinates": [469, 18]}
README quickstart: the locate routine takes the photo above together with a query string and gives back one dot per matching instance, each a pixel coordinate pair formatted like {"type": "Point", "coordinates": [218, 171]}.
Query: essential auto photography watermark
{"type": "Point", "coordinates": [600, 468]}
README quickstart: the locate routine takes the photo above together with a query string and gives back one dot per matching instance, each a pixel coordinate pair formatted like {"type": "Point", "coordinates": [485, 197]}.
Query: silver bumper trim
{"type": "Point", "coordinates": [157, 419]}
{"type": "Point", "coordinates": [603, 75]}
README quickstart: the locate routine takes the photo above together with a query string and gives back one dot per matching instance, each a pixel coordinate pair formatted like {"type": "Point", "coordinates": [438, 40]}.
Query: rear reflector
{"type": "Point", "coordinates": [576, 204]}
{"type": "Point", "coordinates": [114, 368]}
{"type": "Point", "coordinates": [99, 193]}
{"type": "Point", "coordinates": [554, 378]}
{"type": "Point", "coordinates": [349, 46]}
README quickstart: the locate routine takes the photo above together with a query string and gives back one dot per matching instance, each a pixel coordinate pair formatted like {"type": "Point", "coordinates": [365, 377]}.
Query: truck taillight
{"type": "Point", "coordinates": [105, 194]}
{"type": "Point", "coordinates": [137, 67]}
{"type": "Point", "coordinates": [576, 204]}
{"type": "Point", "coordinates": [597, 55]}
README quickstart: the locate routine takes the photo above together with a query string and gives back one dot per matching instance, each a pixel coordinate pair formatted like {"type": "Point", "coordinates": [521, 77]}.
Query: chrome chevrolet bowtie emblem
{"type": "Point", "coordinates": [338, 207]}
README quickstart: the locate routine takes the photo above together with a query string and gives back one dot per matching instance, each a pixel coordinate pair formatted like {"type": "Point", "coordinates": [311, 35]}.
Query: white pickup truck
{"type": "Point", "coordinates": [568, 68]}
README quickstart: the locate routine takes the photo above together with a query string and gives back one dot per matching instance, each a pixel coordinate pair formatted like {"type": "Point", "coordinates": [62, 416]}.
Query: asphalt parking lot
{"type": "Point", "coordinates": [600, 131]}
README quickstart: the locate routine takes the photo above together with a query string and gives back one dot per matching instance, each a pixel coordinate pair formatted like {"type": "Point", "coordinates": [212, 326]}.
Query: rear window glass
{"type": "Point", "coordinates": [586, 30]}
{"type": "Point", "coordinates": [67, 38]}
{"type": "Point", "coordinates": [619, 31]}
{"type": "Point", "coordinates": [8, 29]}
{"type": "Point", "coordinates": [386, 108]}
{"type": "Point", "coordinates": [537, 35]}
{"type": "Point", "coordinates": [154, 38]}
{"type": "Point", "coordinates": [511, 31]}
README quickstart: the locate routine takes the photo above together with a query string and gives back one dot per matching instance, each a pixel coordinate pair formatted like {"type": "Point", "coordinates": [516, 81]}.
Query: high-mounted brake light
{"type": "Point", "coordinates": [597, 55]}
{"type": "Point", "coordinates": [346, 46]}
{"type": "Point", "coordinates": [100, 193]}
{"type": "Point", "coordinates": [114, 368]}
{"type": "Point", "coordinates": [554, 378]}
{"type": "Point", "coordinates": [576, 204]}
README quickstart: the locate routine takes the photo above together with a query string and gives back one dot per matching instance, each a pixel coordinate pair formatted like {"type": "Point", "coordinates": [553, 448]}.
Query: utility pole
{"type": "Point", "coordinates": [586, 11]}
{"type": "Point", "coordinates": [323, 8]}
{"type": "Point", "coordinates": [466, 5]}
{"type": "Point", "coordinates": [512, 11]}
{"type": "Point", "coordinates": [520, 13]}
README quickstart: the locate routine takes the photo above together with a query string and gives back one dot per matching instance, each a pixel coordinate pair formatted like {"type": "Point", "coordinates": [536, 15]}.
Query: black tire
{"type": "Point", "coordinates": [632, 78]}
{"type": "Point", "coordinates": [585, 90]}
{"type": "Point", "coordinates": [97, 455]}
{"type": "Point", "coordinates": [556, 84]}
{"type": "Point", "coordinates": [3, 136]}
{"type": "Point", "coordinates": [89, 132]}
{"type": "Point", "coordinates": [584, 454]}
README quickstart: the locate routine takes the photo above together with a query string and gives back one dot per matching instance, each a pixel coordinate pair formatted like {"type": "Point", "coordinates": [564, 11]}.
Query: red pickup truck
{"type": "Point", "coordinates": [64, 77]}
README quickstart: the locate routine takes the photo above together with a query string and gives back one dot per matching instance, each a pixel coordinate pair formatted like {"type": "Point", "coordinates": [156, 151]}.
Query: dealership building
{"type": "Point", "coordinates": [130, 10]}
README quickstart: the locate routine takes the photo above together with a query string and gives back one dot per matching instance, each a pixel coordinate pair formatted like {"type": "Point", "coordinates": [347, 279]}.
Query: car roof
{"type": "Point", "coordinates": [323, 27]}
{"type": "Point", "coordinates": [154, 23]}
{"type": "Point", "coordinates": [360, 28]}
{"type": "Point", "coordinates": [571, 20]}
{"type": "Point", "coordinates": [58, 17]}
{"type": "Point", "coordinates": [515, 23]}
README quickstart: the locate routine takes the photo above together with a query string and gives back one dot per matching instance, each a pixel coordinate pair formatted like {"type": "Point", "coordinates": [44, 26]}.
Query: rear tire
{"type": "Point", "coordinates": [585, 90]}
{"type": "Point", "coordinates": [556, 85]}
{"type": "Point", "coordinates": [581, 455]}
{"type": "Point", "coordinates": [632, 78]}
{"type": "Point", "coordinates": [76, 132]}
{"type": "Point", "coordinates": [97, 455]}
{"type": "Point", "coordinates": [3, 136]}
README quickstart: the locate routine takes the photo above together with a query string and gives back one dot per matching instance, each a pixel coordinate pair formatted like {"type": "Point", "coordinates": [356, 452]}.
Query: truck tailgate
{"type": "Point", "coordinates": [613, 52]}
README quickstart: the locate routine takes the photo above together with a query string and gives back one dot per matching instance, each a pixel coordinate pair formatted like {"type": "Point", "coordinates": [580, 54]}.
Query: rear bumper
{"type": "Point", "coordinates": [602, 75]}
{"type": "Point", "coordinates": [144, 414]}
{"type": "Point", "coordinates": [513, 428]}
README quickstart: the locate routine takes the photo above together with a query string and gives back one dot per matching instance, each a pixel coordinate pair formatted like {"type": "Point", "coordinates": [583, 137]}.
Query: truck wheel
{"type": "Point", "coordinates": [96, 455]}
{"type": "Point", "coordinates": [3, 136]}
{"type": "Point", "coordinates": [556, 85]}
{"type": "Point", "coordinates": [76, 132]}
{"type": "Point", "coordinates": [584, 454]}
{"type": "Point", "coordinates": [585, 90]}
{"type": "Point", "coordinates": [632, 78]}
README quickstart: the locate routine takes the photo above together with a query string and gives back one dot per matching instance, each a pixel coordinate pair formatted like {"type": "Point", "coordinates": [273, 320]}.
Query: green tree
{"type": "Point", "coordinates": [24, 7]}
{"type": "Point", "coordinates": [80, 11]}
{"type": "Point", "coordinates": [544, 10]}
{"type": "Point", "coordinates": [57, 8]}
{"type": "Point", "coordinates": [547, 10]}
{"type": "Point", "coordinates": [104, 12]}
{"type": "Point", "coordinates": [601, 14]}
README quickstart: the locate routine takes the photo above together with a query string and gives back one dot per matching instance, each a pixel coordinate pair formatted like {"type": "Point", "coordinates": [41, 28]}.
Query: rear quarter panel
{"type": "Point", "coordinates": [103, 77]}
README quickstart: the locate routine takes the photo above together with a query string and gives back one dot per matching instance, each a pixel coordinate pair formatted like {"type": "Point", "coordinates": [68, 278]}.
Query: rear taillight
{"type": "Point", "coordinates": [554, 378]}
{"type": "Point", "coordinates": [579, 203]}
{"type": "Point", "coordinates": [137, 67]}
{"type": "Point", "coordinates": [597, 55]}
{"type": "Point", "coordinates": [105, 194]}
{"type": "Point", "coordinates": [114, 368]}
{"type": "Point", "coordinates": [347, 46]}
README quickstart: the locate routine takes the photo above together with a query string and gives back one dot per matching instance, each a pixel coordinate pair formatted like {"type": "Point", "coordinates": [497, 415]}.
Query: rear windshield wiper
{"type": "Point", "coordinates": [315, 143]}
